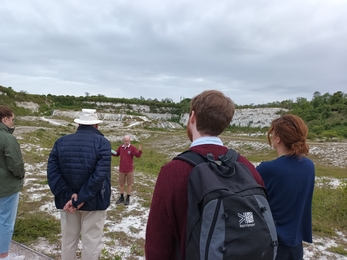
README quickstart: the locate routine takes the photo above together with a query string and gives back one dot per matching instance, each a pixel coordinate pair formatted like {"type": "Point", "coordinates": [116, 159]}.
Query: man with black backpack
{"type": "Point", "coordinates": [192, 215]}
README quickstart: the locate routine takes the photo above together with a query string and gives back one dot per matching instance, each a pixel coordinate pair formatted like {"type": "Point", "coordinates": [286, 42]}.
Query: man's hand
{"type": "Point", "coordinates": [140, 147]}
{"type": "Point", "coordinates": [69, 206]}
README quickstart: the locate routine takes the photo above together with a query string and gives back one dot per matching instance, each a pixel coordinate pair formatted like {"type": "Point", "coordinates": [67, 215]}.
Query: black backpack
{"type": "Point", "coordinates": [228, 212]}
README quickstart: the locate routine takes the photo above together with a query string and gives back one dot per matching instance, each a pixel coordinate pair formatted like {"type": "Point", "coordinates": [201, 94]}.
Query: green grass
{"type": "Point", "coordinates": [30, 226]}
{"type": "Point", "coordinates": [329, 210]}
{"type": "Point", "coordinates": [151, 161]}
{"type": "Point", "coordinates": [338, 250]}
{"type": "Point", "coordinates": [330, 171]}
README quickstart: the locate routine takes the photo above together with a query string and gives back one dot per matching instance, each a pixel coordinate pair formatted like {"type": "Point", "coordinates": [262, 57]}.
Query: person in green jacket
{"type": "Point", "coordinates": [11, 181]}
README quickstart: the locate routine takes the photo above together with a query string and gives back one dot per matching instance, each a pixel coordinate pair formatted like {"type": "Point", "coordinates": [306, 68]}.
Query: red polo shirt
{"type": "Point", "coordinates": [126, 154]}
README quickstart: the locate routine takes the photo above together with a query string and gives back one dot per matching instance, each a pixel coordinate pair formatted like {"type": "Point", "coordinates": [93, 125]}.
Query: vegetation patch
{"type": "Point", "coordinates": [29, 227]}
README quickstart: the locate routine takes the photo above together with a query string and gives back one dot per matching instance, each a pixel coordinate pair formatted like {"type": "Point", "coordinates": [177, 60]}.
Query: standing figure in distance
{"type": "Point", "coordinates": [289, 180]}
{"type": "Point", "coordinates": [79, 176]}
{"type": "Point", "coordinates": [11, 181]}
{"type": "Point", "coordinates": [210, 113]}
{"type": "Point", "coordinates": [126, 151]}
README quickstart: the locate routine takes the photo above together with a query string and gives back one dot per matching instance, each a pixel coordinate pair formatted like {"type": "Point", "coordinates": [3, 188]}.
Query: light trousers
{"type": "Point", "coordinates": [8, 213]}
{"type": "Point", "coordinates": [87, 224]}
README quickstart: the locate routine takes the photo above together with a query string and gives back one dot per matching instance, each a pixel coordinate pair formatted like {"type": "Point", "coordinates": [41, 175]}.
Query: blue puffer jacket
{"type": "Point", "coordinates": [81, 163]}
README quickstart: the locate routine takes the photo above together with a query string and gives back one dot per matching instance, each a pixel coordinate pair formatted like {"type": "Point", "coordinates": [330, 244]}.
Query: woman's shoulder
{"type": "Point", "coordinates": [266, 166]}
{"type": "Point", "coordinates": [269, 163]}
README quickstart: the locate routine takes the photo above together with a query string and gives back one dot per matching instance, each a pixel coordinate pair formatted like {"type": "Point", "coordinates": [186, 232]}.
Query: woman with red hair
{"type": "Point", "coordinates": [289, 180]}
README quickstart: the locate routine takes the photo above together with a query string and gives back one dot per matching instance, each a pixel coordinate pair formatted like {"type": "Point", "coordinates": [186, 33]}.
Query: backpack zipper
{"type": "Point", "coordinates": [210, 233]}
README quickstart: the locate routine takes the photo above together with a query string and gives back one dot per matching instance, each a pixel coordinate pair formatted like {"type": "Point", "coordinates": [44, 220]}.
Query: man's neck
{"type": "Point", "coordinates": [215, 140]}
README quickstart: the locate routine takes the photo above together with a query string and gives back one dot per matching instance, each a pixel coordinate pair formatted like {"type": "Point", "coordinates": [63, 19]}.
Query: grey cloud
{"type": "Point", "coordinates": [256, 51]}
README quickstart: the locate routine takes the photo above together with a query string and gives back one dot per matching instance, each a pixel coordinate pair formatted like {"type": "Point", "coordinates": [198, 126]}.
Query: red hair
{"type": "Point", "coordinates": [292, 131]}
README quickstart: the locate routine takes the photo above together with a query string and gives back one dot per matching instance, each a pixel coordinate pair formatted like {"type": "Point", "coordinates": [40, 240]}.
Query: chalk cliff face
{"type": "Point", "coordinates": [29, 105]}
{"type": "Point", "coordinates": [255, 117]}
{"type": "Point", "coordinates": [140, 116]}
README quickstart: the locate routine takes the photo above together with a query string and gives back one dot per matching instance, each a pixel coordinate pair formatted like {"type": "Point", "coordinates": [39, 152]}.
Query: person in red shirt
{"type": "Point", "coordinates": [126, 151]}
{"type": "Point", "coordinates": [210, 113]}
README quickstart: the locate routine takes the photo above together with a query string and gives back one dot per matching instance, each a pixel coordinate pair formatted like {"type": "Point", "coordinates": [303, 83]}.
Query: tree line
{"type": "Point", "coordinates": [325, 114]}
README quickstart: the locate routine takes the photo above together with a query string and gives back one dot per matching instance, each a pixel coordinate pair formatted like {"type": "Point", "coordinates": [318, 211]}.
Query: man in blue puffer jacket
{"type": "Point", "coordinates": [79, 173]}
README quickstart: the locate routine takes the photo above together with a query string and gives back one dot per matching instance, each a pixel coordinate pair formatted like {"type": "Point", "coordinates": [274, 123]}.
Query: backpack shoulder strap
{"type": "Point", "coordinates": [233, 155]}
{"type": "Point", "coordinates": [191, 157]}
{"type": "Point", "coordinates": [230, 157]}
{"type": "Point", "coordinates": [194, 158]}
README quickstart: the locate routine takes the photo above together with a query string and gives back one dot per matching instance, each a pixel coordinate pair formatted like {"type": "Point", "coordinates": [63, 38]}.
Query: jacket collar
{"type": "Point", "coordinates": [89, 128]}
{"type": "Point", "coordinates": [4, 127]}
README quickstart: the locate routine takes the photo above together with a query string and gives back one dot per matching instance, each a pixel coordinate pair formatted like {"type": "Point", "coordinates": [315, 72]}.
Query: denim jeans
{"type": "Point", "coordinates": [8, 212]}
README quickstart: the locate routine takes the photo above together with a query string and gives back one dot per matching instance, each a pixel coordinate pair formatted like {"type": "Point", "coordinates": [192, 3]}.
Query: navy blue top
{"type": "Point", "coordinates": [81, 163]}
{"type": "Point", "coordinates": [289, 181]}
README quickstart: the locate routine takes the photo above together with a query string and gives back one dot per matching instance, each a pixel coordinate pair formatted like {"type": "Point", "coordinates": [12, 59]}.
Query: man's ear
{"type": "Point", "coordinates": [192, 117]}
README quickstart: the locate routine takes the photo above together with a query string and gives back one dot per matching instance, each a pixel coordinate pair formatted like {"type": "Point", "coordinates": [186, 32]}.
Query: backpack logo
{"type": "Point", "coordinates": [246, 219]}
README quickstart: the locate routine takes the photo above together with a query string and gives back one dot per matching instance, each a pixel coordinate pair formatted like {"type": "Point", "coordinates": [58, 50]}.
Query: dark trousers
{"type": "Point", "coordinates": [290, 252]}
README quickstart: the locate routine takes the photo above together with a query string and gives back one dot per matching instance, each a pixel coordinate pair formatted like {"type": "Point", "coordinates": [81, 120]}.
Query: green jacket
{"type": "Point", "coordinates": [11, 163]}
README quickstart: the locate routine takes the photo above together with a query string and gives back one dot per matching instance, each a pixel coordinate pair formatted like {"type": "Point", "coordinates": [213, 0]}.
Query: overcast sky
{"type": "Point", "coordinates": [254, 51]}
